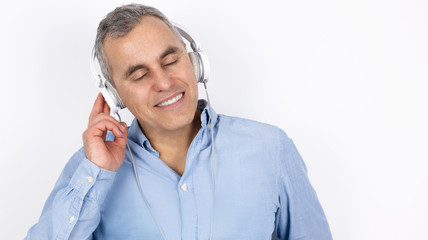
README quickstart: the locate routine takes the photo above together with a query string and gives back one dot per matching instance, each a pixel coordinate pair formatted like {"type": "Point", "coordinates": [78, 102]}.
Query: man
{"type": "Point", "coordinates": [261, 192]}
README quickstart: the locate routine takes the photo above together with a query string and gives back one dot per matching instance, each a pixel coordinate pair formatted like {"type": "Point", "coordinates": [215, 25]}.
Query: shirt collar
{"type": "Point", "coordinates": [206, 114]}
{"type": "Point", "coordinates": [136, 135]}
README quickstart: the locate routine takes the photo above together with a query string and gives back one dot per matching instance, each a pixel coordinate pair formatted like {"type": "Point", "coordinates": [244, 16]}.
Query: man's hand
{"type": "Point", "coordinates": [108, 155]}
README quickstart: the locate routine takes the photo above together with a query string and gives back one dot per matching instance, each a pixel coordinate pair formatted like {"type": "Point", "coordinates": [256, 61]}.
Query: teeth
{"type": "Point", "coordinates": [171, 101]}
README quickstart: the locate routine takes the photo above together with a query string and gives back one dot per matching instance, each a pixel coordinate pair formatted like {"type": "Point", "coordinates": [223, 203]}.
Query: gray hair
{"type": "Point", "coordinates": [119, 23]}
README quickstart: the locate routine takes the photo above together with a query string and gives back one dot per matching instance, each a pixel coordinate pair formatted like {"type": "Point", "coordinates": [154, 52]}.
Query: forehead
{"type": "Point", "coordinates": [148, 39]}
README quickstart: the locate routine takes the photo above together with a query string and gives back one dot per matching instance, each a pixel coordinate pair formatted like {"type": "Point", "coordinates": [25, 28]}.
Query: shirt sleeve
{"type": "Point", "coordinates": [300, 215]}
{"type": "Point", "coordinates": [72, 210]}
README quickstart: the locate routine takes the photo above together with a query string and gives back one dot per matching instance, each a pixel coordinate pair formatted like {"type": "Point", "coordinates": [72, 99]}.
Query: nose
{"type": "Point", "coordinates": [161, 80]}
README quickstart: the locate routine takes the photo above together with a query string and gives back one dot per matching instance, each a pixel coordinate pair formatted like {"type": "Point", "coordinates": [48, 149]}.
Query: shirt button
{"type": "Point", "coordinates": [72, 219]}
{"type": "Point", "coordinates": [183, 187]}
{"type": "Point", "coordinates": [90, 179]}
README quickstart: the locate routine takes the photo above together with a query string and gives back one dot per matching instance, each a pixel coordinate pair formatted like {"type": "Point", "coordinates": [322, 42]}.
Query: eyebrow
{"type": "Point", "coordinates": [169, 50]}
{"type": "Point", "coordinates": [132, 69]}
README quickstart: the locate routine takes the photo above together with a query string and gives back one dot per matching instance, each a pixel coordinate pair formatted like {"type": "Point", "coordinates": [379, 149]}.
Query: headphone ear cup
{"type": "Point", "coordinates": [114, 95]}
{"type": "Point", "coordinates": [196, 62]}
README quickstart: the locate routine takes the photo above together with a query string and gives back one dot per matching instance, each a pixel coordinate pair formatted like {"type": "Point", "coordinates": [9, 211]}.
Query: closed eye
{"type": "Point", "coordinates": [139, 78]}
{"type": "Point", "coordinates": [171, 63]}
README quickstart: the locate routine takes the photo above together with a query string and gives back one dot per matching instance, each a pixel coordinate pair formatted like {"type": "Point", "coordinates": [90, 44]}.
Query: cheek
{"type": "Point", "coordinates": [192, 74]}
{"type": "Point", "coordinates": [188, 72]}
{"type": "Point", "coordinates": [134, 95]}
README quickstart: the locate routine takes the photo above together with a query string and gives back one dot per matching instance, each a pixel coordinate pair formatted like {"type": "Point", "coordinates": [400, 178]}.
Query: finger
{"type": "Point", "coordinates": [100, 128]}
{"type": "Point", "coordinates": [102, 117]}
{"type": "Point", "coordinates": [122, 139]}
{"type": "Point", "coordinates": [122, 132]}
{"type": "Point", "coordinates": [98, 105]}
{"type": "Point", "coordinates": [123, 127]}
{"type": "Point", "coordinates": [106, 109]}
{"type": "Point", "coordinates": [104, 136]}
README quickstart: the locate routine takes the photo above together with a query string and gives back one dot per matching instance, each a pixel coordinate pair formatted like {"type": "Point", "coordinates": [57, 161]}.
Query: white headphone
{"type": "Point", "coordinates": [197, 57]}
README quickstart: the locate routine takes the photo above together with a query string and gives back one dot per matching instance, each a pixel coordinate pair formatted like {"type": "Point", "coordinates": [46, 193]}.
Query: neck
{"type": "Point", "coordinates": [173, 145]}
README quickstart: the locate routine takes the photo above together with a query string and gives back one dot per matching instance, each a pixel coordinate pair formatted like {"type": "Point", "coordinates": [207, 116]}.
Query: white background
{"type": "Point", "coordinates": [347, 80]}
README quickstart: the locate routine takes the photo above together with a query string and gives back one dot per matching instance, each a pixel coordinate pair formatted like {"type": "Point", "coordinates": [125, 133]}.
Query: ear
{"type": "Point", "coordinates": [194, 58]}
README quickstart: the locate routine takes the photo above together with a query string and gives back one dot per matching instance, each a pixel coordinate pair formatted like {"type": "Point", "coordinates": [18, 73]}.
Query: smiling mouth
{"type": "Point", "coordinates": [170, 101]}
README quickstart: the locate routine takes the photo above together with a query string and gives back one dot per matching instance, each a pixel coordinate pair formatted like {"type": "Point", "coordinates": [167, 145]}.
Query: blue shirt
{"type": "Point", "coordinates": [262, 190]}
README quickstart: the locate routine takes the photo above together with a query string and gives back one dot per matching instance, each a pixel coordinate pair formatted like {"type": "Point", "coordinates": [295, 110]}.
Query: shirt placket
{"type": "Point", "coordinates": [187, 200]}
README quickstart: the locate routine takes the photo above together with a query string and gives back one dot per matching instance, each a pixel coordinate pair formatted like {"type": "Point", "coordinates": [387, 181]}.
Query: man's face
{"type": "Point", "coordinates": [151, 70]}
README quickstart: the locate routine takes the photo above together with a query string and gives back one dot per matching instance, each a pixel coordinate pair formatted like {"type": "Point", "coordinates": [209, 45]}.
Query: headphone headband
{"type": "Point", "coordinates": [194, 43]}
